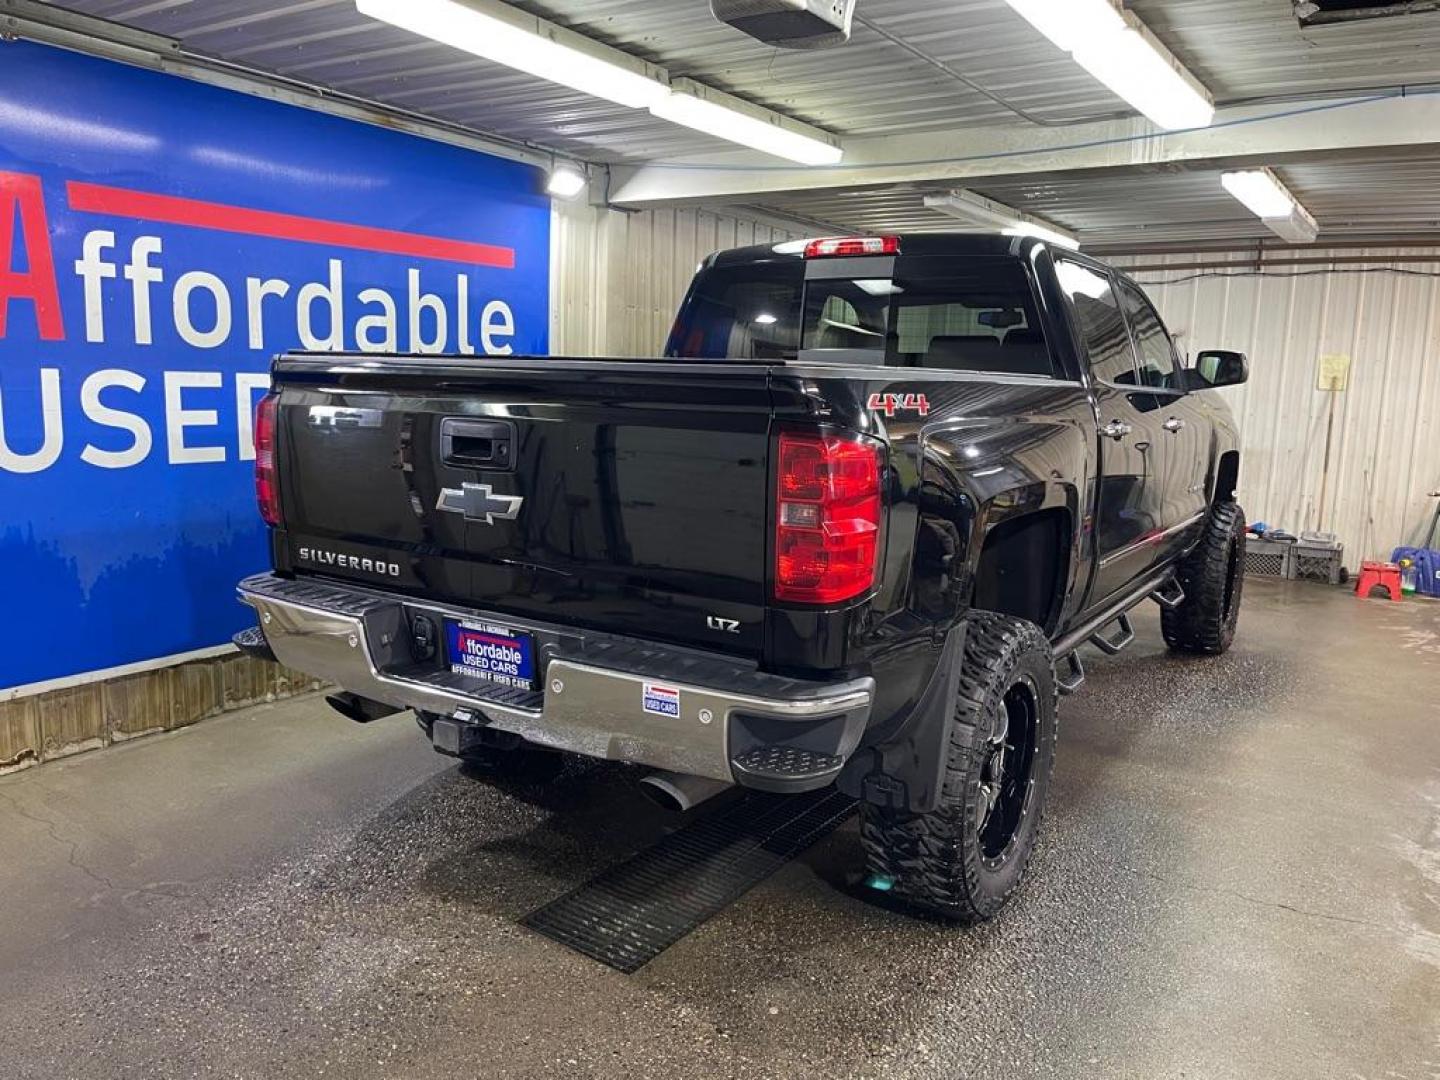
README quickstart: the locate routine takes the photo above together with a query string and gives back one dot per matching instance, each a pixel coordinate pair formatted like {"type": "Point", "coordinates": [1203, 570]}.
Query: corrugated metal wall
{"type": "Point", "coordinates": [1385, 454]}
{"type": "Point", "coordinates": [618, 276]}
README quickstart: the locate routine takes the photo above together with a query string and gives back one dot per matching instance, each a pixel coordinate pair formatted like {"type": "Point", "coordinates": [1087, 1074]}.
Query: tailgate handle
{"type": "Point", "coordinates": [477, 444]}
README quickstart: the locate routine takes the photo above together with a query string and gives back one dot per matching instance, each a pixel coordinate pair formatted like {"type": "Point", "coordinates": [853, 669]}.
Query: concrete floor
{"type": "Point", "coordinates": [1239, 877]}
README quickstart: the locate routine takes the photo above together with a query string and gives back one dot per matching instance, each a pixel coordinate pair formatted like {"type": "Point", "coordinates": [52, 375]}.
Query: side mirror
{"type": "Point", "coordinates": [1219, 367]}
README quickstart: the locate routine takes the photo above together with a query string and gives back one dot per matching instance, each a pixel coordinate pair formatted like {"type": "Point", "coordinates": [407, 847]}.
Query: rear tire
{"type": "Point", "coordinates": [1213, 578]}
{"type": "Point", "coordinates": [962, 860]}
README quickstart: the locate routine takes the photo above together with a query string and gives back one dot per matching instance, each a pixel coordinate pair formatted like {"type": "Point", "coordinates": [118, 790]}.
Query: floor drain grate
{"type": "Point", "coordinates": [629, 914]}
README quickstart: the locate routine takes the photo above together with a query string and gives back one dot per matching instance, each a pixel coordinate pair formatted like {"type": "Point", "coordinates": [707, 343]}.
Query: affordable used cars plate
{"type": "Point", "coordinates": [494, 653]}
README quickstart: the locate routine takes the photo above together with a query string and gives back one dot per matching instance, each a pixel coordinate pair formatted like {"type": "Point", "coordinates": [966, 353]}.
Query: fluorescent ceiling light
{"type": "Point", "coordinates": [566, 181]}
{"type": "Point", "coordinates": [975, 209]}
{"type": "Point", "coordinates": [1117, 49]}
{"type": "Point", "coordinates": [691, 104]}
{"type": "Point", "coordinates": [1268, 199]}
{"type": "Point", "coordinates": [1132, 67]}
{"type": "Point", "coordinates": [1260, 191]}
{"type": "Point", "coordinates": [1071, 24]}
{"type": "Point", "coordinates": [1029, 228]}
{"type": "Point", "coordinates": [508, 36]}
{"type": "Point", "coordinates": [1298, 228]}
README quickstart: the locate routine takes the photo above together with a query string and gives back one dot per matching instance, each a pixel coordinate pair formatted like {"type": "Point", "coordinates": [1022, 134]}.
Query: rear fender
{"type": "Point", "coordinates": [977, 476]}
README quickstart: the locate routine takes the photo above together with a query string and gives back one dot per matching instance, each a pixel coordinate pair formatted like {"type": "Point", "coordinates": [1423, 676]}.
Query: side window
{"type": "Point", "coordinates": [1101, 324]}
{"type": "Point", "coordinates": [1152, 343]}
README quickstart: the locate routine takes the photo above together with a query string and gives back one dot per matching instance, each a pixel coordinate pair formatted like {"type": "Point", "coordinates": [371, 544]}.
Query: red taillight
{"type": "Point", "coordinates": [827, 518]}
{"type": "Point", "coordinates": [267, 488]}
{"type": "Point", "coordinates": [852, 245]}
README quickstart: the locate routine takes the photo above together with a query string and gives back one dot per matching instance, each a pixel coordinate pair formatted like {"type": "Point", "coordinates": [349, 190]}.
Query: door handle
{"type": "Point", "coordinates": [477, 444]}
{"type": "Point", "coordinates": [1173, 425]}
{"type": "Point", "coordinates": [1116, 429]}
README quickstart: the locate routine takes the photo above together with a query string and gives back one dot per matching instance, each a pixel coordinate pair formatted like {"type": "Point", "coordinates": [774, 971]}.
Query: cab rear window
{"type": "Point", "coordinates": [945, 313]}
{"type": "Point", "coordinates": [974, 313]}
{"type": "Point", "coordinates": [747, 312]}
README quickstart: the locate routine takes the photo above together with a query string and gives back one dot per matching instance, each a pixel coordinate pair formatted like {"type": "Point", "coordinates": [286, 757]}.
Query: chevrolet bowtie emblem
{"type": "Point", "coordinates": [479, 503]}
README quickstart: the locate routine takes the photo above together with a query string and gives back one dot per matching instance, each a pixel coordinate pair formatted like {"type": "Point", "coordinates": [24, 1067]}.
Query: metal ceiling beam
{"type": "Point", "coordinates": [1244, 135]}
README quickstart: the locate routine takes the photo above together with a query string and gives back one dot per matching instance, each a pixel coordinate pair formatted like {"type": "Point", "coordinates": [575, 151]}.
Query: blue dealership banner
{"type": "Point", "coordinates": [160, 240]}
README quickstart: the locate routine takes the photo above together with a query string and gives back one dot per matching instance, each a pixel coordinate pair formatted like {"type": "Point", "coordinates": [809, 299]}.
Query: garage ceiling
{"type": "Point", "coordinates": [1351, 198]}
{"type": "Point", "coordinates": [1241, 49]}
{"type": "Point", "coordinates": [879, 84]}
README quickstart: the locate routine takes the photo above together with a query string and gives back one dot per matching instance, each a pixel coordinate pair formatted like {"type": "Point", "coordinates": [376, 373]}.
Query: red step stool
{"type": "Point", "coordinates": [1386, 574]}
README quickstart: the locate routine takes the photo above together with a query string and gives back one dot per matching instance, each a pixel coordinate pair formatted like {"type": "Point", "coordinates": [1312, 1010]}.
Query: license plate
{"type": "Point", "coordinates": [496, 654]}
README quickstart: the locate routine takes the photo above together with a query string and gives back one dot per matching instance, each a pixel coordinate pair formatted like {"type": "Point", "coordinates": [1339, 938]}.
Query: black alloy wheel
{"type": "Point", "coordinates": [1007, 786]}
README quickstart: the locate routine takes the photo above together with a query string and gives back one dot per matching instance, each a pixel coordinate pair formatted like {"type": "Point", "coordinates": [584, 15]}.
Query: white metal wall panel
{"type": "Point", "coordinates": [1385, 454]}
{"type": "Point", "coordinates": [618, 277]}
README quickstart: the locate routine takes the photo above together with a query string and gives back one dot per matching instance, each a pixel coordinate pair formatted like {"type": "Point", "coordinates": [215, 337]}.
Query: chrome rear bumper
{"type": "Point", "coordinates": [591, 686]}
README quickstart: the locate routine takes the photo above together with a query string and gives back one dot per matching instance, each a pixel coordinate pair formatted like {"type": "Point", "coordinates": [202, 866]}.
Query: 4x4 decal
{"type": "Point", "coordinates": [890, 404]}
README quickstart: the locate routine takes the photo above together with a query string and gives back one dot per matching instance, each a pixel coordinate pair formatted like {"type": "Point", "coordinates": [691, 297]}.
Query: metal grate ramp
{"type": "Point", "coordinates": [629, 914]}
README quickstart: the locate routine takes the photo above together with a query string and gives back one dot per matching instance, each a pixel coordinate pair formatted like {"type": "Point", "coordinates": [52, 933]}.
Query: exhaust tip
{"type": "Point", "coordinates": [664, 794]}
{"type": "Point", "coordinates": [361, 710]}
{"type": "Point", "coordinates": [678, 792]}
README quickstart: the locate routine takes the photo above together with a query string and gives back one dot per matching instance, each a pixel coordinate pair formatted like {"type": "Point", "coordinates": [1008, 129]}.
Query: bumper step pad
{"type": "Point", "coordinates": [630, 913]}
{"type": "Point", "coordinates": [252, 643]}
{"type": "Point", "coordinates": [787, 763]}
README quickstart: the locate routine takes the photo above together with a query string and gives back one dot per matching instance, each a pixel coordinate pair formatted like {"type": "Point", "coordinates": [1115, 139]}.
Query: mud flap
{"type": "Point", "coordinates": [907, 770]}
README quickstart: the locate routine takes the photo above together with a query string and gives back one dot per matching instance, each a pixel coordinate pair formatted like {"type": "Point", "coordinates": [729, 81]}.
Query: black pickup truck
{"type": "Point", "coordinates": [850, 529]}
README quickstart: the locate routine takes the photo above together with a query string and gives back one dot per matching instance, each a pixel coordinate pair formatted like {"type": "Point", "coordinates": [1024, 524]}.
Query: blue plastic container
{"type": "Point", "coordinates": [1427, 568]}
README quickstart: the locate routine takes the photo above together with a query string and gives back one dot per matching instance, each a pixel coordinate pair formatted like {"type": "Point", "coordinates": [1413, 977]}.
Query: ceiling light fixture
{"type": "Point", "coordinates": [975, 209]}
{"type": "Point", "coordinates": [1118, 50]}
{"type": "Point", "coordinates": [1262, 193]}
{"type": "Point", "coordinates": [506, 35]}
{"type": "Point", "coordinates": [692, 104]}
{"type": "Point", "coordinates": [566, 181]}
{"type": "Point", "coordinates": [1040, 232]}
{"type": "Point", "coordinates": [1071, 24]}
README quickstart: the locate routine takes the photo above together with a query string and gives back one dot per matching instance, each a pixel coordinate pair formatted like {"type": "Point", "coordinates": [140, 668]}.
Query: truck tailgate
{"type": "Point", "coordinates": [625, 496]}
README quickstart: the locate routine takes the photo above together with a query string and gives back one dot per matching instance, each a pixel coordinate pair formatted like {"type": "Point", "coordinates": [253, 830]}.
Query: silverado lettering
{"type": "Point", "coordinates": [351, 562]}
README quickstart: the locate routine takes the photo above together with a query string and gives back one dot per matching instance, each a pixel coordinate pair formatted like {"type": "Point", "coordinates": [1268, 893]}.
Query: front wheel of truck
{"type": "Point", "coordinates": [1213, 577]}
{"type": "Point", "coordinates": [962, 860]}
